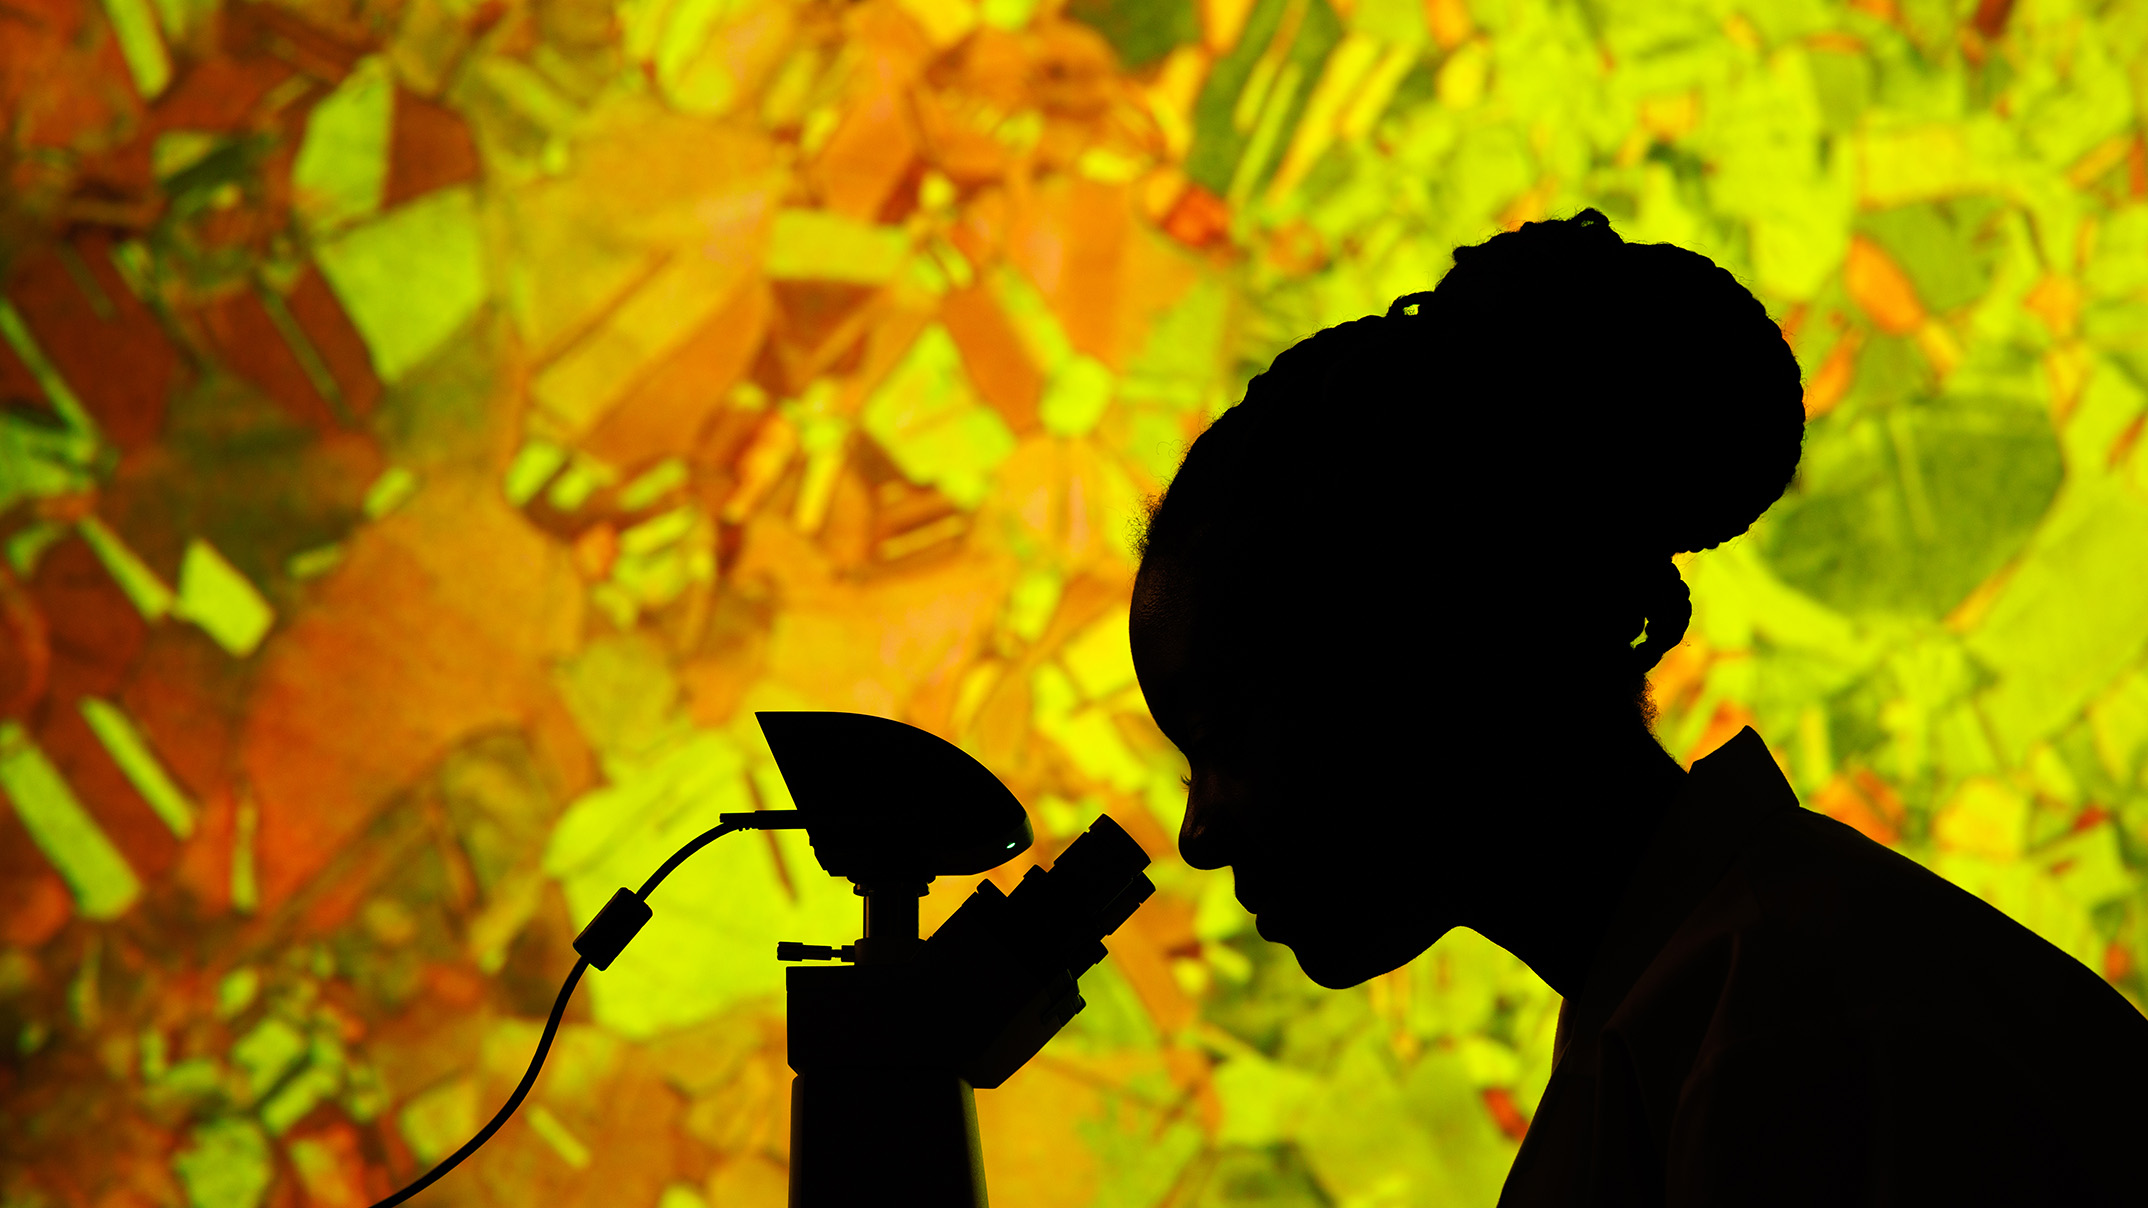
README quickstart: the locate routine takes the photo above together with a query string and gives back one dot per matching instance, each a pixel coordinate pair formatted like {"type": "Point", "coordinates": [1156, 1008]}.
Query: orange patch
{"type": "Point", "coordinates": [667, 410]}
{"type": "Point", "coordinates": [1879, 286]}
{"type": "Point", "coordinates": [2066, 368]}
{"type": "Point", "coordinates": [430, 148]}
{"type": "Point", "coordinates": [333, 1169]}
{"type": "Point", "coordinates": [1198, 218]}
{"type": "Point", "coordinates": [869, 153]}
{"type": "Point", "coordinates": [1863, 801]}
{"type": "Point", "coordinates": [336, 340]}
{"type": "Point", "coordinates": [1837, 42]}
{"type": "Point", "coordinates": [1832, 380]}
{"type": "Point", "coordinates": [455, 985]}
{"type": "Point", "coordinates": [2122, 448]}
{"type": "Point", "coordinates": [108, 346]}
{"type": "Point", "coordinates": [1071, 240]}
{"type": "Point", "coordinates": [1677, 679]}
{"type": "Point", "coordinates": [1721, 728]}
{"type": "Point", "coordinates": [253, 346]}
{"type": "Point", "coordinates": [105, 792]}
{"type": "Point", "coordinates": [2056, 299]}
{"type": "Point", "coordinates": [438, 624]}
{"type": "Point", "coordinates": [2117, 962]}
{"type": "Point", "coordinates": [1990, 19]}
{"type": "Point", "coordinates": [33, 907]}
{"type": "Point", "coordinates": [1449, 21]}
{"type": "Point", "coordinates": [1499, 1101]}
{"type": "Point", "coordinates": [992, 352]}
{"type": "Point", "coordinates": [1143, 949]}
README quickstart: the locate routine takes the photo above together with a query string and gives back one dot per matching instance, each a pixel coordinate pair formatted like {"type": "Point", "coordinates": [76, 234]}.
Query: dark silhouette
{"type": "Point", "coordinates": [889, 1046]}
{"type": "Point", "coordinates": [1388, 610]}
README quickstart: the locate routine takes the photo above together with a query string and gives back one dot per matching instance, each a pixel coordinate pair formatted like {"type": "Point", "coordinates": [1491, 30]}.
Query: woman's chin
{"type": "Point", "coordinates": [1335, 971]}
{"type": "Point", "coordinates": [1327, 964]}
{"type": "Point", "coordinates": [1338, 964]}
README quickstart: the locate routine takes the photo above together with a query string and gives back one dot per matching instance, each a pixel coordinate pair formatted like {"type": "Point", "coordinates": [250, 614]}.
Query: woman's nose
{"type": "Point", "coordinates": [1204, 835]}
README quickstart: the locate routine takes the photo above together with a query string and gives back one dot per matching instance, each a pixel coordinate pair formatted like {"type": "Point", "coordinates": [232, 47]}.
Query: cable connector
{"type": "Point", "coordinates": [792, 950]}
{"type": "Point", "coordinates": [609, 933]}
{"type": "Point", "coordinates": [765, 820]}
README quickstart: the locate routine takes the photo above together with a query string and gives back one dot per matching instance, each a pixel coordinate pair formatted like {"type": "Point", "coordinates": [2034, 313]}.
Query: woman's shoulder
{"type": "Point", "coordinates": [1873, 932]}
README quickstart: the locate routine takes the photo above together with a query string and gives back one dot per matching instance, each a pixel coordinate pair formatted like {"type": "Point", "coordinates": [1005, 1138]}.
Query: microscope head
{"type": "Point", "coordinates": [886, 803]}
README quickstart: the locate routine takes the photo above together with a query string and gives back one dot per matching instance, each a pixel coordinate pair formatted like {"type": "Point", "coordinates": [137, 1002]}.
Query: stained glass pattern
{"type": "Point", "coordinates": [431, 428]}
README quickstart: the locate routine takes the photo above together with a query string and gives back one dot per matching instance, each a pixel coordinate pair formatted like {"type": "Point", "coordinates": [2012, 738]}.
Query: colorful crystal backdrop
{"type": "Point", "coordinates": [432, 427]}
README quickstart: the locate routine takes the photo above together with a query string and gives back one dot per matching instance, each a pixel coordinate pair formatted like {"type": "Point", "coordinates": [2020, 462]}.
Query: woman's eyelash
{"type": "Point", "coordinates": [1186, 780]}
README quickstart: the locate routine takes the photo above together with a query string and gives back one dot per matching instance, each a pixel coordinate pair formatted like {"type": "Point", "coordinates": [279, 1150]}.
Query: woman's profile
{"type": "Point", "coordinates": [1397, 609]}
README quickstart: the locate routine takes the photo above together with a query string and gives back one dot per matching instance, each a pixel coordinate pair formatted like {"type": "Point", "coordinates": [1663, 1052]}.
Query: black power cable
{"type": "Point", "coordinates": [599, 944]}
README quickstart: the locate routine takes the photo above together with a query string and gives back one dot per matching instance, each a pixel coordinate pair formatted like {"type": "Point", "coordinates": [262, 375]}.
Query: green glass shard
{"type": "Point", "coordinates": [1240, 91]}
{"type": "Point", "coordinates": [141, 585]}
{"type": "Point", "coordinates": [29, 543]}
{"type": "Point", "coordinates": [182, 17]}
{"type": "Point", "coordinates": [104, 885]}
{"type": "Point", "coordinates": [1263, 1100]}
{"type": "Point", "coordinates": [1141, 31]}
{"type": "Point", "coordinates": [226, 1164]}
{"type": "Point", "coordinates": [681, 1195]}
{"type": "Point", "coordinates": [1031, 602]}
{"type": "Point", "coordinates": [438, 1120]}
{"type": "Point", "coordinates": [410, 278]}
{"type": "Point", "coordinates": [341, 172]}
{"type": "Point", "coordinates": [1085, 734]}
{"type": "Point", "coordinates": [215, 596]}
{"type": "Point", "coordinates": [268, 1052]}
{"type": "Point", "coordinates": [315, 562]}
{"type": "Point", "coordinates": [1276, 109]}
{"type": "Point", "coordinates": [245, 876]}
{"type": "Point", "coordinates": [1905, 509]}
{"type": "Point", "coordinates": [815, 245]}
{"type": "Point", "coordinates": [57, 391]}
{"type": "Point", "coordinates": [237, 991]}
{"type": "Point", "coordinates": [932, 427]}
{"type": "Point", "coordinates": [572, 489]}
{"type": "Point", "coordinates": [1934, 244]}
{"type": "Point", "coordinates": [534, 465]}
{"type": "Point", "coordinates": [134, 26]}
{"type": "Point", "coordinates": [389, 491]}
{"type": "Point", "coordinates": [1400, 22]}
{"type": "Point", "coordinates": [1075, 398]}
{"type": "Point", "coordinates": [177, 150]}
{"type": "Point", "coordinates": [1183, 355]}
{"type": "Point", "coordinates": [571, 1149]}
{"type": "Point", "coordinates": [658, 481]}
{"type": "Point", "coordinates": [131, 752]}
{"type": "Point", "coordinates": [1006, 14]}
{"type": "Point", "coordinates": [1034, 323]}
{"type": "Point", "coordinates": [298, 1096]}
{"type": "Point", "coordinates": [657, 532]}
{"type": "Point", "coordinates": [1099, 657]}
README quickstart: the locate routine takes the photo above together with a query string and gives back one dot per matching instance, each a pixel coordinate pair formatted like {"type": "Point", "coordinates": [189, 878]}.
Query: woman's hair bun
{"type": "Point", "coordinates": [1588, 404]}
{"type": "Point", "coordinates": [1651, 389]}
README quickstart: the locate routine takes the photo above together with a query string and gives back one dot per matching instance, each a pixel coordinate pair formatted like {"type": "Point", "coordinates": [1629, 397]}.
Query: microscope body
{"type": "Point", "coordinates": [889, 1048]}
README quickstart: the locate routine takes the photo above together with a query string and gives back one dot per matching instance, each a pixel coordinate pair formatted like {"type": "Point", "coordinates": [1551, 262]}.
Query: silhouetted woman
{"type": "Point", "coordinates": [1387, 609]}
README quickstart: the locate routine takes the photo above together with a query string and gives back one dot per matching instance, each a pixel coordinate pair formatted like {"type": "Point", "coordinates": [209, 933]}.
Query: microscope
{"type": "Point", "coordinates": [889, 1046]}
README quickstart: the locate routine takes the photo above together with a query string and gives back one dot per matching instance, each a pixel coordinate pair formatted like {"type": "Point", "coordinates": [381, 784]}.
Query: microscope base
{"type": "Point", "coordinates": [877, 1136]}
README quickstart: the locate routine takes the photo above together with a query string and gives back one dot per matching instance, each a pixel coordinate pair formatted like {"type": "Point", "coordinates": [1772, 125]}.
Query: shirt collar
{"type": "Point", "coordinates": [1727, 792]}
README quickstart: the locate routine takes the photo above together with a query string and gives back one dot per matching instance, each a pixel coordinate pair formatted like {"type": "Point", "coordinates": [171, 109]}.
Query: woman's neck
{"type": "Point", "coordinates": [1572, 848]}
